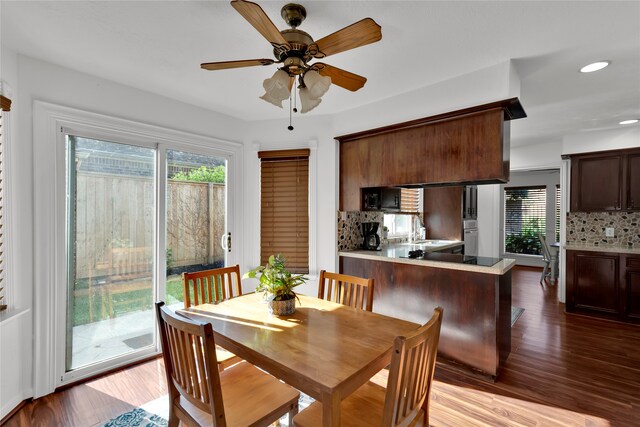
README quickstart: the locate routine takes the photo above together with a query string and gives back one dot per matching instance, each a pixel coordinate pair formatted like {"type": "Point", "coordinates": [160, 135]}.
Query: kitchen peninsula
{"type": "Point", "coordinates": [469, 146]}
{"type": "Point", "coordinates": [475, 293]}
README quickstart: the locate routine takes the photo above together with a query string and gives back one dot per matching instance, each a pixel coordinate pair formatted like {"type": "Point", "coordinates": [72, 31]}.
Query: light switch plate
{"type": "Point", "coordinates": [609, 232]}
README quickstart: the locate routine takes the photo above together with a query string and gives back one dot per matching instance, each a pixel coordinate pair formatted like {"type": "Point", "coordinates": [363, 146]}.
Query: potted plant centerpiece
{"type": "Point", "coordinates": [277, 284]}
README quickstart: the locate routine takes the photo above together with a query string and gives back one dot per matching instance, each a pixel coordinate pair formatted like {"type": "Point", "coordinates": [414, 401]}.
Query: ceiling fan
{"type": "Point", "coordinates": [293, 49]}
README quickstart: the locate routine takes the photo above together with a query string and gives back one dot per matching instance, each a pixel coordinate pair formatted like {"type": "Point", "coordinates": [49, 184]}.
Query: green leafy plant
{"type": "Point", "coordinates": [275, 281]}
{"type": "Point", "coordinates": [202, 174]}
{"type": "Point", "coordinates": [527, 241]}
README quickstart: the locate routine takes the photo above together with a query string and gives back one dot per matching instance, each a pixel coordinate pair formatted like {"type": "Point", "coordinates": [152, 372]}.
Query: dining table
{"type": "Point", "coordinates": [324, 349]}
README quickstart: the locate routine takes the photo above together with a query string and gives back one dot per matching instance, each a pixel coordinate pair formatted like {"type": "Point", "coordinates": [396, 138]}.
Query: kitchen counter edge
{"type": "Point", "coordinates": [499, 268]}
{"type": "Point", "coordinates": [594, 248]}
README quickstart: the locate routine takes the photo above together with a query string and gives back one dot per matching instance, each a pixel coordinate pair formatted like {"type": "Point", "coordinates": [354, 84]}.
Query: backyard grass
{"type": "Point", "coordinates": [124, 302]}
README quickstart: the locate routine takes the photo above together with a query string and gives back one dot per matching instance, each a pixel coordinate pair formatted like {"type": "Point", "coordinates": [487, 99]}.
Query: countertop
{"type": "Point", "coordinates": [598, 248]}
{"type": "Point", "coordinates": [399, 253]}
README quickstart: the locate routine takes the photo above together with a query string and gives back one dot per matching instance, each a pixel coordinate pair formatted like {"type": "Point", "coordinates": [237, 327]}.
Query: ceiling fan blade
{"type": "Point", "coordinates": [340, 77]}
{"type": "Point", "coordinates": [355, 35]}
{"type": "Point", "coordinates": [253, 13]}
{"type": "Point", "coordinates": [223, 65]}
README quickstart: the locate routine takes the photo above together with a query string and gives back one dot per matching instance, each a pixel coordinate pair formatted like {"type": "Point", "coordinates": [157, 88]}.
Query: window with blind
{"type": "Point", "coordinates": [400, 225]}
{"type": "Point", "coordinates": [557, 213]}
{"type": "Point", "coordinates": [284, 207]}
{"type": "Point", "coordinates": [410, 200]}
{"type": "Point", "coordinates": [5, 106]}
{"type": "Point", "coordinates": [525, 216]}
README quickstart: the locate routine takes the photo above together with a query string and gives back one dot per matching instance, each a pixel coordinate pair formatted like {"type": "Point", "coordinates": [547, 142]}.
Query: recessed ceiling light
{"type": "Point", "coordinates": [629, 122]}
{"type": "Point", "coordinates": [590, 68]}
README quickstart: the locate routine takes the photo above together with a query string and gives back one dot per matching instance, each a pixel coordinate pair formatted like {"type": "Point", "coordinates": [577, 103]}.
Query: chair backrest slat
{"type": "Point", "coordinates": [546, 251]}
{"type": "Point", "coordinates": [353, 291]}
{"type": "Point", "coordinates": [188, 349]}
{"type": "Point", "coordinates": [213, 285]}
{"type": "Point", "coordinates": [411, 373]}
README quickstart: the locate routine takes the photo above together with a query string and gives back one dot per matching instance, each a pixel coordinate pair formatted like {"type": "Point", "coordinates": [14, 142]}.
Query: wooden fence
{"type": "Point", "coordinates": [118, 212]}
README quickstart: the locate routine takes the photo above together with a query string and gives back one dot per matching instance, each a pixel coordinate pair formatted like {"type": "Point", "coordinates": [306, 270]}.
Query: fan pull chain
{"type": "Point", "coordinates": [290, 127]}
{"type": "Point", "coordinates": [295, 98]}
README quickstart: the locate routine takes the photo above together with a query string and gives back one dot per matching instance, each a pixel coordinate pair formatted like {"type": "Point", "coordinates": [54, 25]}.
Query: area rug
{"type": "Point", "coordinates": [516, 312]}
{"type": "Point", "coordinates": [135, 418]}
{"type": "Point", "coordinates": [156, 412]}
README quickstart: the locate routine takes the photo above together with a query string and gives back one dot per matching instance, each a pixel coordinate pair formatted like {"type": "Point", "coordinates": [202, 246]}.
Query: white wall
{"type": "Point", "coordinates": [16, 324]}
{"type": "Point", "coordinates": [625, 137]}
{"type": "Point", "coordinates": [538, 156]}
{"type": "Point", "coordinates": [489, 84]}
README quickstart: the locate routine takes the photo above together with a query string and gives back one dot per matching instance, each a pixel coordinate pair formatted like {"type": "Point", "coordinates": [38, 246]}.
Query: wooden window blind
{"type": "Point", "coordinates": [525, 215]}
{"type": "Point", "coordinates": [5, 106]}
{"type": "Point", "coordinates": [558, 195]}
{"type": "Point", "coordinates": [410, 200]}
{"type": "Point", "coordinates": [284, 207]}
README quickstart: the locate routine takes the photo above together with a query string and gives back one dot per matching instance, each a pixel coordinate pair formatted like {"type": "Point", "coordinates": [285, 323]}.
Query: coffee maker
{"type": "Point", "coordinates": [371, 238]}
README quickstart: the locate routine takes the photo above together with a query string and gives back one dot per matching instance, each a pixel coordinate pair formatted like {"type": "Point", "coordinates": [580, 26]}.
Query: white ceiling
{"type": "Point", "coordinates": [157, 46]}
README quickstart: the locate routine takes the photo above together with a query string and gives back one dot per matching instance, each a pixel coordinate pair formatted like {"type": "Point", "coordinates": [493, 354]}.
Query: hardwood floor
{"type": "Point", "coordinates": [564, 370]}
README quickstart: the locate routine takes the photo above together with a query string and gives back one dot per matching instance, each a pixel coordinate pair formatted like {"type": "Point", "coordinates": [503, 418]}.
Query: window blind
{"type": "Point", "coordinates": [284, 207]}
{"type": "Point", "coordinates": [525, 217]}
{"type": "Point", "coordinates": [558, 213]}
{"type": "Point", "coordinates": [409, 199]}
{"type": "Point", "coordinates": [5, 106]}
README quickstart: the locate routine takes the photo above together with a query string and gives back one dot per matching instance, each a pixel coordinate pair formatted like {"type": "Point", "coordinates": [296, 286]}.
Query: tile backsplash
{"type": "Point", "coordinates": [589, 228]}
{"type": "Point", "coordinates": [349, 230]}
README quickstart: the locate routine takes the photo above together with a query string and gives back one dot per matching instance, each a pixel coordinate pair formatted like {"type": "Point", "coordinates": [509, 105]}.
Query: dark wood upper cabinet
{"type": "Point", "coordinates": [605, 181]}
{"type": "Point", "coordinates": [633, 181]}
{"type": "Point", "coordinates": [443, 212]}
{"type": "Point", "coordinates": [465, 146]}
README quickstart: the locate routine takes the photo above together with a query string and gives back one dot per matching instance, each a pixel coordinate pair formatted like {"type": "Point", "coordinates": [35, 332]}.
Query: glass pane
{"type": "Point", "coordinates": [525, 217]}
{"type": "Point", "coordinates": [110, 221]}
{"type": "Point", "coordinates": [196, 217]}
{"type": "Point", "coordinates": [398, 225]}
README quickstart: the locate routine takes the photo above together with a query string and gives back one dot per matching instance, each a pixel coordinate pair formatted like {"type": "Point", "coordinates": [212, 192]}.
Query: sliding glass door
{"type": "Point", "coordinates": [110, 250]}
{"type": "Point", "coordinates": [137, 216]}
{"type": "Point", "coordinates": [196, 228]}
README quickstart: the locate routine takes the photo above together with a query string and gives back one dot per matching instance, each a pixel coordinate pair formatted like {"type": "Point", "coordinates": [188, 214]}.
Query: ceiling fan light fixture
{"type": "Point", "coordinates": [270, 99]}
{"type": "Point", "coordinates": [277, 86]}
{"type": "Point", "coordinates": [307, 102]}
{"type": "Point", "coordinates": [316, 84]}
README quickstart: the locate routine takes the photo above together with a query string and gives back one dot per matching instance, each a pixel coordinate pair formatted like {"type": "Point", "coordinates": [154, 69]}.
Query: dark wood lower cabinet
{"type": "Point", "coordinates": [632, 287]}
{"type": "Point", "coordinates": [476, 323]}
{"type": "Point", "coordinates": [604, 284]}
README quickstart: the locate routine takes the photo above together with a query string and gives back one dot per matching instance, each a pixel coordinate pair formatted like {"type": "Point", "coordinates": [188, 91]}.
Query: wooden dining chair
{"type": "Point", "coordinates": [405, 401]}
{"type": "Point", "coordinates": [353, 291]}
{"type": "Point", "coordinates": [209, 286]}
{"type": "Point", "coordinates": [200, 395]}
{"type": "Point", "coordinates": [213, 285]}
{"type": "Point", "coordinates": [546, 257]}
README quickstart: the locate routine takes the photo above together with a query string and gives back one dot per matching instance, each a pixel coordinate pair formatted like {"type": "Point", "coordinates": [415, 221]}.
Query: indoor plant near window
{"type": "Point", "coordinates": [277, 285]}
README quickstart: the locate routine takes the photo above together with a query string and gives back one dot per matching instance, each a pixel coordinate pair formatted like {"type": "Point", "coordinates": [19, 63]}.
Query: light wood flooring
{"type": "Point", "coordinates": [564, 370]}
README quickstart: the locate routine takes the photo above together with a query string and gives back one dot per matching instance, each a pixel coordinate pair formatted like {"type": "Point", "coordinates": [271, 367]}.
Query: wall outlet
{"type": "Point", "coordinates": [609, 232]}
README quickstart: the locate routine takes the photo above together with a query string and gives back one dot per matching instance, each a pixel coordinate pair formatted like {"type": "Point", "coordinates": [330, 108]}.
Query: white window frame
{"type": "Point", "coordinates": [50, 217]}
{"type": "Point", "coordinates": [5, 176]}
